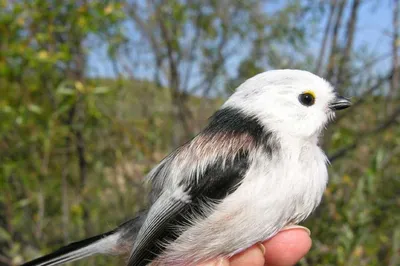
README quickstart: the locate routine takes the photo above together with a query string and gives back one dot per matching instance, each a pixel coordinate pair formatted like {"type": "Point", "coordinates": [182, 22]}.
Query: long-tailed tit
{"type": "Point", "coordinates": [254, 169]}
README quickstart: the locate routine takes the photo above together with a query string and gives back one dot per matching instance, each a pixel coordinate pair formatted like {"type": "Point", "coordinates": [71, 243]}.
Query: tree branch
{"type": "Point", "coordinates": [342, 67]}
{"type": "Point", "coordinates": [178, 97]}
{"type": "Point", "coordinates": [193, 47]}
{"type": "Point", "coordinates": [363, 97]}
{"type": "Point", "coordinates": [144, 28]}
{"type": "Point", "coordinates": [392, 119]}
{"type": "Point", "coordinates": [394, 85]}
{"type": "Point", "coordinates": [318, 68]}
{"type": "Point", "coordinates": [334, 45]}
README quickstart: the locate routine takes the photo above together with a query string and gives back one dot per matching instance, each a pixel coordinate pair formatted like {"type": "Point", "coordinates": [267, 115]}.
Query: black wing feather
{"type": "Point", "coordinates": [218, 181]}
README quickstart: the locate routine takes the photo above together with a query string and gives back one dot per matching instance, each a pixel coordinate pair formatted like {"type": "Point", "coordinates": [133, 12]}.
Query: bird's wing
{"type": "Point", "coordinates": [211, 166]}
{"type": "Point", "coordinates": [229, 131]}
{"type": "Point", "coordinates": [171, 208]}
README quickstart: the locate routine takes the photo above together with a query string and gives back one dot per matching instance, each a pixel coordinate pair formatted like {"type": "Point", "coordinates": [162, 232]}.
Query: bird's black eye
{"type": "Point", "coordinates": [307, 99]}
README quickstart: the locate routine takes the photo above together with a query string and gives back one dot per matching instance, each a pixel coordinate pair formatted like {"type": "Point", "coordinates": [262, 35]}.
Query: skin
{"type": "Point", "coordinates": [284, 249]}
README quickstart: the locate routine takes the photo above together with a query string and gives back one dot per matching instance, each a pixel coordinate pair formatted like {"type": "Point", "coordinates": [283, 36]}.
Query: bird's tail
{"type": "Point", "coordinates": [98, 244]}
{"type": "Point", "coordinates": [115, 242]}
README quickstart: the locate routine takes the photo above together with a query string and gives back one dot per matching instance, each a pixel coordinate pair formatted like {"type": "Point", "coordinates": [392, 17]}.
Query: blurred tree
{"type": "Point", "coordinates": [277, 43]}
{"type": "Point", "coordinates": [45, 108]}
{"type": "Point", "coordinates": [185, 40]}
{"type": "Point", "coordinates": [191, 44]}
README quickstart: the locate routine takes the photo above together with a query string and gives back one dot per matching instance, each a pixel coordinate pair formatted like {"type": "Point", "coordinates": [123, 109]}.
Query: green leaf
{"type": "Point", "coordinates": [66, 91]}
{"type": "Point", "coordinates": [4, 235]}
{"type": "Point", "coordinates": [35, 108]}
{"type": "Point", "coordinates": [101, 90]}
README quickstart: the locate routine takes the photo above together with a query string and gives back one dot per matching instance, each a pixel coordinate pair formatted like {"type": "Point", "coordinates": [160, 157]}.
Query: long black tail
{"type": "Point", "coordinates": [115, 242]}
{"type": "Point", "coordinates": [78, 250]}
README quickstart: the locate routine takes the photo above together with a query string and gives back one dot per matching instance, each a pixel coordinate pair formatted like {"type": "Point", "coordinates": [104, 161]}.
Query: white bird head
{"type": "Point", "coordinates": [289, 102]}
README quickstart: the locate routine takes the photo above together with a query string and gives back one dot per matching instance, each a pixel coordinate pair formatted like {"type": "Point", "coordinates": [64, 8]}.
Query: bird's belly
{"type": "Point", "coordinates": [260, 207]}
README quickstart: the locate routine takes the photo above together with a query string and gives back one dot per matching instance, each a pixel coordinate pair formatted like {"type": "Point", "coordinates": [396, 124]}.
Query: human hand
{"type": "Point", "coordinates": [284, 249]}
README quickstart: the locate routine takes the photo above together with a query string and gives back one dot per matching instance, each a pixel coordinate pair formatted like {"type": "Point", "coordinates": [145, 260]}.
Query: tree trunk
{"type": "Point", "coordinates": [179, 111]}
{"type": "Point", "coordinates": [342, 67]}
{"type": "Point", "coordinates": [325, 141]}
{"type": "Point", "coordinates": [332, 8]}
{"type": "Point", "coordinates": [64, 177]}
{"type": "Point", "coordinates": [65, 204]}
{"type": "Point", "coordinates": [394, 85]}
{"type": "Point", "coordinates": [334, 45]}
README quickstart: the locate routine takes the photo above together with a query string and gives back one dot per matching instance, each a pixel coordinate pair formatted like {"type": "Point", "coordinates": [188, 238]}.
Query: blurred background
{"type": "Point", "coordinates": [94, 93]}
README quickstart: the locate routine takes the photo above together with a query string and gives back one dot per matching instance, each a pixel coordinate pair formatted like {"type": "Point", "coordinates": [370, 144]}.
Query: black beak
{"type": "Point", "coordinates": [339, 103]}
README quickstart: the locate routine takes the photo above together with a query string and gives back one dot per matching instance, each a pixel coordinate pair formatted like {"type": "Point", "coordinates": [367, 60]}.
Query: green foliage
{"type": "Point", "coordinates": [358, 221]}
{"type": "Point", "coordinates": [48, 108]}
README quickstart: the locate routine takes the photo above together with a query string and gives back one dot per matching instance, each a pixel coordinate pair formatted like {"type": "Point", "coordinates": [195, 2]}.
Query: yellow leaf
{"type": "Point", "coordinates": [21, 48]}
{"type": "Point", "coordinates": [79, 86]}
{"type": "Point", "coordinates": [82, 9]}
{"type": "Point", "coordinates": [108, 9]}
{"type": "Point", "coordinates": [82, 21]}
{"type": "Point", "coordinates": [347, 180]}
{"type": "Point", "coordinates": [76, 209]}
{"type": "Point", "coordinates": [328, 192]}
{"type": "Point", "coordinates": [358, 251]}
{"type": "Point", "coordinates": [43, 55]}
{"type": "Point", "coordinates": [21, 21]}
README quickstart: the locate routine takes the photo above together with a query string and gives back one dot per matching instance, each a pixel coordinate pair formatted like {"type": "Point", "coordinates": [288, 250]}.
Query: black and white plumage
{"type": "Point", "coordinates": [253, 170]}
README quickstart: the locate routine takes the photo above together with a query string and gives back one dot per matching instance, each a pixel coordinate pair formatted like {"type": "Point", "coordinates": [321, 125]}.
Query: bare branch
{"type": "Point", "coordinates": [334, 43]}
{"type": "Point", "coordinates": [217, 64]}
{"type": "Point", "coordinates": [342, 67]}
{"type": "Point", "coordinates": [172, 61]}
{"type": "Point", "coordinates": [391, 120]}
{"type": "Point", "coordinates": [144, 29]}
{"type": "Point", "coordinates": [320, 58]}
{"type": "Point", "coordinates": [361, 99]}
{"type": "Point", "coordinates": [64, 200]}
{"type": "Point", "coordinates": [192, 50]}
{"type": "Point", "coordinates": [394, 86]}
{"type": "Point", "coordinates": [373, 88]}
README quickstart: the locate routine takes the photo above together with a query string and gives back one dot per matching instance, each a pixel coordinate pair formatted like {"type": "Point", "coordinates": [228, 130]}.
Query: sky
{"type": "Point", "coordinates": [373, 31]}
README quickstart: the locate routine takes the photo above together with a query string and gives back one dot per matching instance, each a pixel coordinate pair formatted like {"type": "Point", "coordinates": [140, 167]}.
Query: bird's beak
{"type": "Point", "coordinates": [339, 103]}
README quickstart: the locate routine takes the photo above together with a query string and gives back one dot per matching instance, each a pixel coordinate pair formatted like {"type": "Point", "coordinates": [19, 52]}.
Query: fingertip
{"type": "Point", "coordinates": [287, 247]}
{"type": "Point", "coordinates": [216, 262]}
{"type": "Point", "coordinates": [250, 257]}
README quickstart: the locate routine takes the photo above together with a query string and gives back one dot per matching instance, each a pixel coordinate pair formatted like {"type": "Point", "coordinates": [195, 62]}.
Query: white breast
{"type": "Point", "coordinates": [274, 193]}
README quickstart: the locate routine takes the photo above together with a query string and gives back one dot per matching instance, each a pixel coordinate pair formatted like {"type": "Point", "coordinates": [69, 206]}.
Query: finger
{"type": "Point", "coordinates": [253, 256]}
{"type": "Point", "coordinates": [287, 247]}
{"type": "Point", "coordinates": [216, 262]}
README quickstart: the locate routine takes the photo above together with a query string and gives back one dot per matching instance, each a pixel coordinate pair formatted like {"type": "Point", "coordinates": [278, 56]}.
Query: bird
{"type": "Point", "coordinates": [255, 168]}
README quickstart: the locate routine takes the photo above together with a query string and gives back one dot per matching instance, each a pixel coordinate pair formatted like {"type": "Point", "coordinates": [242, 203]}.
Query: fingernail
{"type": "Point", "coordinates": [296, 227]}
{"type": "Point", "coordinates": [261, 247]}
